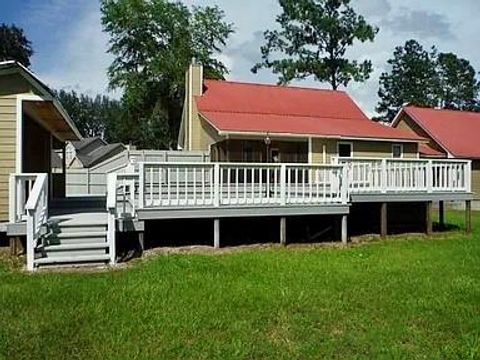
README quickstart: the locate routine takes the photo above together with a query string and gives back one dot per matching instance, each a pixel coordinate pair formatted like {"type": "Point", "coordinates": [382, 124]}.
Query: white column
{"type": "Point", "coordinates": [283, 230]}
{"type": "Point", "coordinates": [30, 249]}
{"type": "Point", "coordinates": [344, 229]}
{"type": "Point", "coordinates": [216, 233]}
{"type": "Point", "coordinates": [310, 150]}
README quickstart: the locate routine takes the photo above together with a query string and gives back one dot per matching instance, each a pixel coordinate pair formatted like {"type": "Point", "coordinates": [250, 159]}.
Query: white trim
{"type": "Point", "coordinates": [190, 106]}
{"type": "Point", "coordinates": [345, 143]}
{"type": "Point", "coordinates": [313, 136]}
{"type": "Point", "coordinates": [401, 151]}
{"type": "Point", "coordinates": [19, 135]}
{"type": "Point", "coordinates": [310, 150]}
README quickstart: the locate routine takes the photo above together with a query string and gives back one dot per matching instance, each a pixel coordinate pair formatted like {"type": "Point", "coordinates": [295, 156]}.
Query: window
{"type": "Point", "coordinates": [274, 155]}
{"type": "Point", "coordinates": [397, 151]}
{"type": "Point", "coordinates": [345, 150]}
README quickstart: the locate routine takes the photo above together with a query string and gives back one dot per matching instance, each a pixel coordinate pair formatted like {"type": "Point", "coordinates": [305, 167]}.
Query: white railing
{"type": "Point", "coordinates": [234, 184]}
{"type": "Point", "coordinates": [20, 188]}
{"type": "Point", "coordinates": [370, 175]}
{"type": "Point", "coordinates": [37, 216]}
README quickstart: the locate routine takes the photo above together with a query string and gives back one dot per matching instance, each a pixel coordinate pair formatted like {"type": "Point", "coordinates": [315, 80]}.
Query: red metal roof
{"type": "Point", "coordinates": [456, 131]}
{"type": "Point", "coordinates": [427, 150]}
{"type": "Point", "coordinates": [255, 108]}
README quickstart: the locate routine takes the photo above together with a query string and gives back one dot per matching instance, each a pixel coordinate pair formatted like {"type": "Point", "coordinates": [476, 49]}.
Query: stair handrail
{"type": "Point", "coordinates": [37, 216]}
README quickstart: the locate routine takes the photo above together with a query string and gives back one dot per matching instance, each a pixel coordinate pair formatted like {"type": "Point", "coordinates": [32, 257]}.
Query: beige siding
{"type": "Point", "coordinates": [321, 145]}
{"type": "Point", "coordinates": [476, 178]}
{"type": "Point", "coordinates": [380, 149]}
{"type": "Point", "coordinates": [7, 148]}
{"type": "Point", "coordinates": [365, 148]}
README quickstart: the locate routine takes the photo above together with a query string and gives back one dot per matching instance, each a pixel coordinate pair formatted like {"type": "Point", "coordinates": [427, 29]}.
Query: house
{"type": "Point", "coordinates": [236, 122]}
{"type": "Point", "coordinates": [281, 153]}
{"type": "Point", "coordinates": [88, 152]}
{"type": "Point", "coordinates": [33, 125]}
{"type": "Point", "coordinates": [451, 134]}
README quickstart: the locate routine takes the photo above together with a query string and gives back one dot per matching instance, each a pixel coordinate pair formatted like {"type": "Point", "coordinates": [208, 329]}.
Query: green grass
{"type": "Point", "coordinates": [401, 298]}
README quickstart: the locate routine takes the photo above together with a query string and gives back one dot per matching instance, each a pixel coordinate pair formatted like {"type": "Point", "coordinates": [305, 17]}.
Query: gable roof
{"type": "Point", "coordinates": [243, 108]}
{"type": "Point", "coordinates": [455, 131]}
{"type": "Point", "coordinates": [14, 67]}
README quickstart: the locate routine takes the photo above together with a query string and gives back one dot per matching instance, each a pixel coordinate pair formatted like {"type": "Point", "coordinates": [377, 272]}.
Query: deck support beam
{"type": "Point", "coordinates": [344, 223]}
{"type": "Point", "coordinates": [468, 216]}
{"type": "Point", "coordinates": [216, 233]}
{"type": "Point", "coordinates": [383, 220]}
{"type": "Point", "coordinates": [283, 230]}
{"type": "Point", "coordinates": [441, 214]}
{"type": "Point", "coordinates": [428, 218]}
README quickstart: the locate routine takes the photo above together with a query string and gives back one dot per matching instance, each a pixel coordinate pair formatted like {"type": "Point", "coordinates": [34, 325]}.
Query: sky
{"type": "Point", "coordinates": [71, 49]}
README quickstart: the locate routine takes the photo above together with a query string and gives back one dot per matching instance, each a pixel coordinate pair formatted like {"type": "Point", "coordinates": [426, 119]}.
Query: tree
{"type": "Point", "coordinates": [14, 45]}
{"type": "Point", "coordinates": [314, 38]}
{"type": "Point", "coordinates": [426, 78]}
{"type": "Point", "coordinates": [412, 79]}
{"type": "Point", "coordinates": [458, 87]}
{"type": "Point", "coordinates": [153, 43]}
{"type": "Point", "coordinates": [96, 116]}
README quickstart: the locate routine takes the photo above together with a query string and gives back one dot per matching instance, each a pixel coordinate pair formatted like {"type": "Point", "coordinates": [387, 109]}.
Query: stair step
{"type": "Point", "coordinates": [72, 259]}
{"type": "Point", "coordinates": [70, 247]}
{"type": "Point", "coordinates": [76, 229]}
{"type": "Point", "coordinates": [77, 210]}
{"type": "Point", "coordinates": [78, 235]}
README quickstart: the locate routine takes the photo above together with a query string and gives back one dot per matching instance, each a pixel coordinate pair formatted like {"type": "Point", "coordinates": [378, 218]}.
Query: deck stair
{"type": "Point", "coordinates": [76, 234]}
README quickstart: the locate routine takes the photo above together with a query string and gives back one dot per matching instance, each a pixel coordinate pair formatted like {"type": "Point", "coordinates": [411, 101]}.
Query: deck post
{"type": "Point", "coordinates": [283, 230]}
{"type": "Point", "coordinates": [344, 229]}
{"type": "Point", "coordinates": [441, 214]}
{"type": "Point", "coordinates": [216, 233]}
{"type": "Point", "coordinates": [468, 216]}
{"type": "Point", "coordinates": [383, 220]}
{"type": "Point", "coordinates": [428, 218]}
{"type": "Point", "coordinates": [141, 241]}
{"type": "Point", "coordinates": [13, 246]}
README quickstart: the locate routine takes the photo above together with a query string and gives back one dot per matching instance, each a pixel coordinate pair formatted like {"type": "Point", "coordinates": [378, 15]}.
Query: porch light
{"type": "Point", "coordinates": [268, 140]}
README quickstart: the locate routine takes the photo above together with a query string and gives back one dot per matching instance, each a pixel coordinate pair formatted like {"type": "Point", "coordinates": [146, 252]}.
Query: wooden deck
{"type": "Point", "coordinates": [220, 190]}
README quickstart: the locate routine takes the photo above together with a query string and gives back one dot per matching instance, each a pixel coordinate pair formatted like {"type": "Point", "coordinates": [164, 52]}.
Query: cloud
{"type": "Point", "coordinates": [420, 23]}
{"type": "Point", "coordinates": [81, 59]}
{"type": "Point", "coordinates": [248, 50]}
{"type": "Point", "coordinates": [372, 8]}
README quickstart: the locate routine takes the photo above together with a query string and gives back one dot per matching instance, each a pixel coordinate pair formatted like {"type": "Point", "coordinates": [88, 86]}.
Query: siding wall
{"type": "Point", "coordinates": [371, 149]}
{"type": "Point", "coordinates": [7, 148]}
{"type": "Point", "coordinates": [10, 86]}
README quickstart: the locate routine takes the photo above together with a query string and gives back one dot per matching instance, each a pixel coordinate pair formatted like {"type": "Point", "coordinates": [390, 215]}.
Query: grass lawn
{"type": "Point", "coordinates": [401, 298]}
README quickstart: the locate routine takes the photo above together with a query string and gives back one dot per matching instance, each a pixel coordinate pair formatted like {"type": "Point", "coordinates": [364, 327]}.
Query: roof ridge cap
{"type": "Point", "coordinates": [280, 114]}
{"type": "Point", "coordinates": [443, 110]}
{"type": "Point", "coordinates": [246, 83]}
